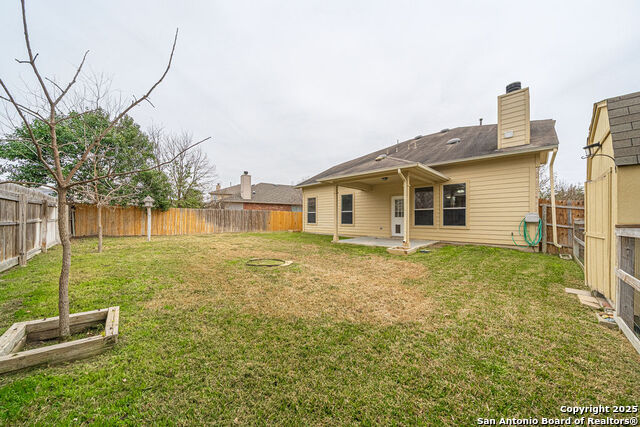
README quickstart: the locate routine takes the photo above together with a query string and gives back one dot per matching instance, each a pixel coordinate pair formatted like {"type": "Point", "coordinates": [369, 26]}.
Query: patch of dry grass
{"type": "Point", "coordinates": [369, 289]}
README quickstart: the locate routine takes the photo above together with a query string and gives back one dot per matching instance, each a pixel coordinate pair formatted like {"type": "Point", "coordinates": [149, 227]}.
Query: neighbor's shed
{"type": "Point", "coordinates": [612, 188]}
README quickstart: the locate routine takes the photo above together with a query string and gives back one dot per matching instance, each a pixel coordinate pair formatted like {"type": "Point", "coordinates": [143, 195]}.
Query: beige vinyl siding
{"type": "Point", "coordinates": [513, 115]}
{"type": "Point", "coordinates": [499, 194]}
{"type": "Point", "coordinates": [324, 210]}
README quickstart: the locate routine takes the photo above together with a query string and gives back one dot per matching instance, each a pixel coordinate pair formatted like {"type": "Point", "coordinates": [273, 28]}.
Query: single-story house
{"type": "Point", "coordinates": [262, 196]}
{"type": "Point", "coordinates": [612, 204]}
{"type": "Point", "coordinates": [470, 184]}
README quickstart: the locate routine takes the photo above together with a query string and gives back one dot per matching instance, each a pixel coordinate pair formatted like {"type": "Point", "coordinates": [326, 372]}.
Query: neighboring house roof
{"type": "Point", "coordinates": [263, 193]}
{"type": "Point", "coordinates": [433, 150]}
{"type": "Point", "coordinates": [624, 122]}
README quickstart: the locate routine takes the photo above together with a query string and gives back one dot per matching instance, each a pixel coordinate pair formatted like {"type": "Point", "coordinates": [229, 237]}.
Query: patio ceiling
{"type": "Point", "coordinates": [420, 174]}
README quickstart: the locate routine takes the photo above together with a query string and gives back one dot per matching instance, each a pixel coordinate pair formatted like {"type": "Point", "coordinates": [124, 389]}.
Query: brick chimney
{"type": "Point", "coordinates": [513, 117]}
{"type": "Point", "coordinates": [245, 186]}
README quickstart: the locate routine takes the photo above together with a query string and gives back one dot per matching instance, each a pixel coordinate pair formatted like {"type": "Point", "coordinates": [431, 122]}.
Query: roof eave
{"type": "Point", "coordinates": [261, 202]}
{"type": "Point", "coordinates": [324, 181]}
{"type": "Point", "coordinates": [497, 155]}
{"type": "Point", "coordinates": [423, 168]}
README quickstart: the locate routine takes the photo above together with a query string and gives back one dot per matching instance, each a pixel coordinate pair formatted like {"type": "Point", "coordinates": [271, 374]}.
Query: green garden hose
{"type": "Point", "coordinates": [522, 230]}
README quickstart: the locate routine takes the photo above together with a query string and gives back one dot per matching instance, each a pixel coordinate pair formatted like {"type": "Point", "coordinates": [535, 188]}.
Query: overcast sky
{"type": "Point", "coordinates": [288, 89]}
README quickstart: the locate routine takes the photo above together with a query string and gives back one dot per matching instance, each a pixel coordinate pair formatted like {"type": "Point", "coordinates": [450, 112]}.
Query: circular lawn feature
{"type": "Point", "coordinates": [267, 262]}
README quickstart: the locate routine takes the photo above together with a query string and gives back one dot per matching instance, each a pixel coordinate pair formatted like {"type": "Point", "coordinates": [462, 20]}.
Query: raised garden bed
{"type": "Point", "coordinates": [21, 333]}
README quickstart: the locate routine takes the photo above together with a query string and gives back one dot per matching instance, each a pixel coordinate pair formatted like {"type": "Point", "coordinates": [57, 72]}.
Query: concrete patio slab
{"type": "Point", "coordinates": [387, 242]}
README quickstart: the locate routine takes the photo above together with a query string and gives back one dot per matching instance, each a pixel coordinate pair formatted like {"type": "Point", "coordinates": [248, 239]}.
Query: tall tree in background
{"type": "Point", "coordinates": [191, 174]}
{"type": "Point", "coordinates": [123, 149]}
{"type": "Point", "coordinates": [50, 106]}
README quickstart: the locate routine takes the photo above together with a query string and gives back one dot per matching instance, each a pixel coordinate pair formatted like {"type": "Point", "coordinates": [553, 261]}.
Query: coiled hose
{"type": "Point", "coordinates": [522, 230]}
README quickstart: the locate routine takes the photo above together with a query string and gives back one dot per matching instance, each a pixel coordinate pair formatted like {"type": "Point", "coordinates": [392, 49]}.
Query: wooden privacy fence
{"type": "Point", "coordinates": [568, 212]}
{"type": "Point", "coordinates": [132, 221]}
{"type": "Point", "coordinates": [28, 224]}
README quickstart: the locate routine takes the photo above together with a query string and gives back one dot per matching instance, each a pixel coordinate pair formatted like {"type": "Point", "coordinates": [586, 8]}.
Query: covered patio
{"type": "Point", "coordinates": [406, 174]}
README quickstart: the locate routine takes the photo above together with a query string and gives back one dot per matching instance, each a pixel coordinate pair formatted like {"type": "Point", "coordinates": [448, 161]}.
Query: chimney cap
{"type": "Point", "coordinates": [512, 87]}
{"type": "Point", "coordinates": [246, 172]}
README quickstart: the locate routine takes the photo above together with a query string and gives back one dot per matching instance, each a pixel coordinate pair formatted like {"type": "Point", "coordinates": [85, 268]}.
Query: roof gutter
{"type": "Point", "coordinates": [497, 155]}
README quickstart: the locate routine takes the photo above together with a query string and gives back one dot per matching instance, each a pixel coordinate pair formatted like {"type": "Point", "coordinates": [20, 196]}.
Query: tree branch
{"type": "Point", "coordinates": [73, 81]}
{"type": "Point", "coordinates": [29, 183]}
{"type": "Point", "coordinates": [34, 140]}
{"type": "Point", "coordinates": [157, 166]}
{"type": "Point", "coordinates": [99, 138]}
{"type": "Point", "coordinates": [26, 109]}
{"type": "Point", "coordinates": [32, 59]}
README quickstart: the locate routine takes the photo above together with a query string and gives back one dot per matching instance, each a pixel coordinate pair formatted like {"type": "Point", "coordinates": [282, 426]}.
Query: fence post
{"type": "Point", "coordinates": [574, 243]}
{"type": "Point", "coordinates": [44, 215]}
{"type": "Point", "coordinates": [544, 229]}
{"type": "Point", "coordinates": [22, 229]}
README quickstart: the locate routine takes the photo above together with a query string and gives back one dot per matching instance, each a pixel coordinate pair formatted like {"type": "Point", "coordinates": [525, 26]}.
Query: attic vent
{"type": "Point", "coordinates": [445, 130]}
{"type": "Point", "coordinates": [453, 141]}
{"type": "Point", "coordinates": [381, 157]}
{"type": "Point", "coordinates": [418, 137]}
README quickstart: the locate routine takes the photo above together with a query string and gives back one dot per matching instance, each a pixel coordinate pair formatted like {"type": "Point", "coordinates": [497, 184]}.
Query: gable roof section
{"type": "Point", "coordinates": [433, 150]}
{"type": "Point", "coordinates": [264, 193]}
{"type": "Point", "coordinates": [624, 122]}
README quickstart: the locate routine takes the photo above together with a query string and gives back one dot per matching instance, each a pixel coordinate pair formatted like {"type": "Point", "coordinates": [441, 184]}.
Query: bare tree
{"type": "Point", "coordinates": [107, 191]}
{"type": "Point", "coordinates": [52, 104]}
{"type": "Point", "coordinates": [191, 174]}
{"type": "Point", "coordinates": [563, 190]}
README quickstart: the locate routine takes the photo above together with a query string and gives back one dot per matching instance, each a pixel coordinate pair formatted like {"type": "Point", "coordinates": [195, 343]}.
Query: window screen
{"type": "Point", "coordinates": [454, 204]}
{"type": "Point", "coordinates": [346, 209]}
{"type": "Point", "coordinates": [311, 210]}
{"type": "Point", "coordinates": [423, 206]}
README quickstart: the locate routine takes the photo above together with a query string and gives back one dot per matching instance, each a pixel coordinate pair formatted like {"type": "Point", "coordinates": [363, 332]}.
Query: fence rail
{"type": "Point", "coordinates": [28, 224]}
{"type": "Point", "coordinates": [628, 274]}
{"type": "Point", "coordinates": [132, 221]}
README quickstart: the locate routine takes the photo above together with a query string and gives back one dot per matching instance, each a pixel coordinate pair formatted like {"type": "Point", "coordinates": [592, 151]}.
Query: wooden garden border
{"type": "Point", "coordinates": [12, 359]}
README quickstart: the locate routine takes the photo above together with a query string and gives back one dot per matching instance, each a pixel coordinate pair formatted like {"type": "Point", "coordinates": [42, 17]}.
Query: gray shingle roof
{"type": "Point", "coordinates": [264, 193]}
{"type": "Point", "coordinates": [432, 150]}
{"type": "Point", "coordinates": [624, 121]}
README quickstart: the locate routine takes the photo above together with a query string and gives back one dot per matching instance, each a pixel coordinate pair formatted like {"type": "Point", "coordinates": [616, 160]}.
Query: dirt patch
{"type": "Point", "coordinates": [320, 283]}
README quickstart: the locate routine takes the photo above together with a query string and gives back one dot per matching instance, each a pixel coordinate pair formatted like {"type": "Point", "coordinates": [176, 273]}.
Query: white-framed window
{"type": "Point", "coordinates": [346, 209]}
{"type": "Point", "coordinates": [311, 210]}
{"type": "Point", "coordinates": [454, 204]}
{"type": "Point", "coordinates": [423, 206]}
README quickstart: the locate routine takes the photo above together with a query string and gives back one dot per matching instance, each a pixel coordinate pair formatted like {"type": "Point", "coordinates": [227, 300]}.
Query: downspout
{"type": "Point", "coordinates": [553, 199]}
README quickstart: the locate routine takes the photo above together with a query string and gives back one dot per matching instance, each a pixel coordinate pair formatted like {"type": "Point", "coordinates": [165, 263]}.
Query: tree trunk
{"type": "Point", "coordinates": [63, 287]}
{"type": "Point", "coordinates": [99, 228]}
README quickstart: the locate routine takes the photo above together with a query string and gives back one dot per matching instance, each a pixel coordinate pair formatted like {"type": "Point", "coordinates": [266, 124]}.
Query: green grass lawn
{"type": "Point", "coordinates": [345, 335]}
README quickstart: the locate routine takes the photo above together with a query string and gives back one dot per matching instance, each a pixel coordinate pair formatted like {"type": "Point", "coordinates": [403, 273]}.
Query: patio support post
{"type": "Point", "coordinates": [337, 213]}
{"type": "Point", "coordinates": [406, 240]}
